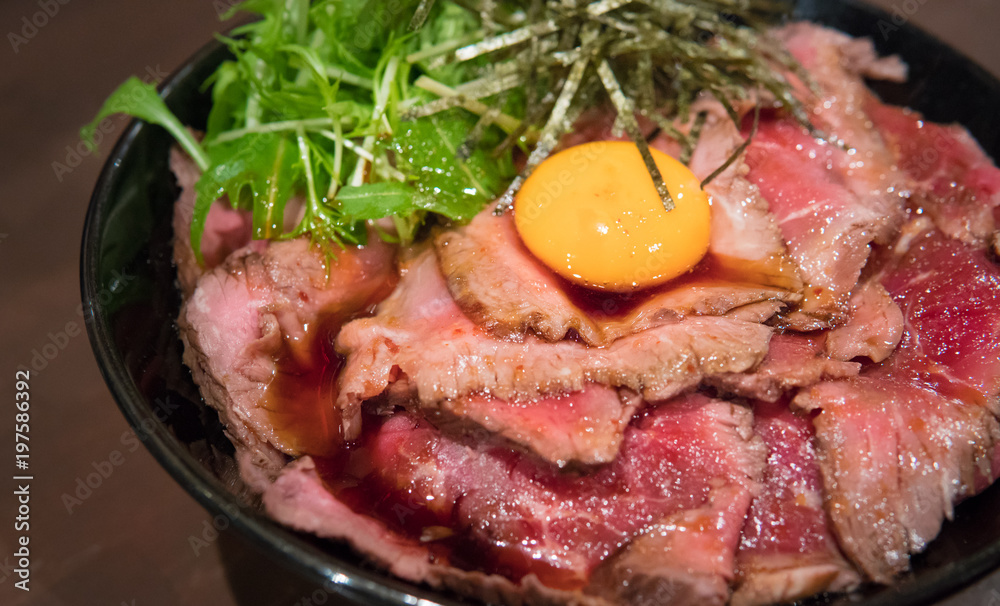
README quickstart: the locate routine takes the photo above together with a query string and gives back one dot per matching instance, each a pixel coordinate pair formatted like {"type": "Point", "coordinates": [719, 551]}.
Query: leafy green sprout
{"type": "Point", "coordinates": [362, 110]}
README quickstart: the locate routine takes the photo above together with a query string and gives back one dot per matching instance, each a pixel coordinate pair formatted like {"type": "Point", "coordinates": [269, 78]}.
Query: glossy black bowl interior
{"type": "Point", "coordinates": [131, 303]}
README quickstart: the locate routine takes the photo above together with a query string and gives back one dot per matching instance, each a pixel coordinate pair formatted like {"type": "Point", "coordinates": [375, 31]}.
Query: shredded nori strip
{"type": "Point", "coordinates": [645, 56]}
{"type": "Point", "coordinates": [626, 113]}
{"type": "Point", "coordinates": [554, 128]}
{"type": "Point", "coordinates": [420, 15]}
{"type": "Point", "coordinates": [738, 151]}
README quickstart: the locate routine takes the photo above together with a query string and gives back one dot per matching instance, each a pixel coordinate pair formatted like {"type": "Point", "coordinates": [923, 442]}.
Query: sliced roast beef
{"type": "Point", "coordinates": [758, 313]}
{"type": "Point", "coordinates": [873, 330]}
{"type": "Point", "coordinates": [258, 336]}
{"type": "Point", "coordinates": [900, 445]}
{"type": "Point", "coordinates": [788, 551]}
{"type": "Point", "coordinates": [830, 199]}
{"type": "Point", "coordinates": [585, 426]}
{"type": "Point", "coordinates": [226, 230]}
{"type": "Point", "coordinates": [793, 361]}
{"type": "Point", "coordinates": [429, 509]}
{"type": "Point", "coordinates": [953, 180]}
{"type": "Point", "coordinates": [827, 227]}
{"type": "Point", "coordinates": [420, 334]}
{"type": "Point", "coordinates": [895, 457]}
{"type": "Point", "coordinates": [503, 287]}
{"type": "Point", "coordinates": [300, 499]}
{"type": "Point", "coordinates": [745, 239]}
{"type": "Point", "coordinates": [685, 559]}
{"type": "Point", "coordinates": [949, 293]}
{"type": "Point", "coordinates": [686, 474]}
{"type": "Point", "coordinates": [861, 158]}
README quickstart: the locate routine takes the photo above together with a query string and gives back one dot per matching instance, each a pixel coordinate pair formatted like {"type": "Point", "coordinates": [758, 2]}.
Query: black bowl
{"type": "Point", "coordinates": [131, 302]}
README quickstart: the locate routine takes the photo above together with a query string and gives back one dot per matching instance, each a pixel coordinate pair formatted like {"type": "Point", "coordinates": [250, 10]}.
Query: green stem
{"type": "Point", "coordinates": [189, 143]}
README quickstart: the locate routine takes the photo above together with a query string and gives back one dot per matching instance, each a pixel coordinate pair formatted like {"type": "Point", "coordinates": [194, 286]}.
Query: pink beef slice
{"type": "Point", "coordinates": [226, 230]}
{"type": "Point", "coordinates": [793, 361]}
{"type": "Point", "coordinates": [585, 426]}
{"type": "Point", "coordinates": [873, 330]}
{"type": "Point", "coordinates": [830, 200]}
{"type": "Point", "coordinates": [864, 163]}
{"type": "Point", "coordinates": [263, 321]}
{"type": "Point", "coordinates": [301, 498]}
{"type": "Point", "coordinates": [949, 293]}
{"type": "Point", "coordinates": [432, 506]}
{"type": "Point", "coordinates": [931, 406]}
{"type": "Point", "coordinates": [505, 289]}
{"type": "Point", "coordinates": [952, 179]}
{"type": "Point", "coordinates": [745, 239]}
{"type": "Point", "coordinates": [827, 227]}
{"type": "Point", "coordinates": [420, 340]}
{"type": "Point", "coordinates": [895, 457]}
{"type": "Point", "coordinates": [683, 481]}
{"type": "Point", "coordinates": [788, 550]}
{"type": "Point", "coordinates": [679, 559]}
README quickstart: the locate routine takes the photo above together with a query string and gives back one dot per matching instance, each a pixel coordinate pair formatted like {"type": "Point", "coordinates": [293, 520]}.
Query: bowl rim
{"type": "Point", "coordinates": [354, 581]}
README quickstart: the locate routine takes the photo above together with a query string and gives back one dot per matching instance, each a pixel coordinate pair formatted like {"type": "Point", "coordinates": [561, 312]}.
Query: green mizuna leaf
{"type": "Point", "coordinates": [257, 172]}
{"type": "Point", "coordinates": [427, 151]}
{"type": "Point", "coordinates": [378, 200]}
{"type": "Point", "coordinates": [413, 109]}
{"type": "Point", "coordinates": [142, 101]}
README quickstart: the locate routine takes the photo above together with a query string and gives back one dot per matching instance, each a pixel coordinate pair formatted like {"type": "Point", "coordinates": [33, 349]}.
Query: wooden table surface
{"type": "Point", "coordinates": [131, 539]}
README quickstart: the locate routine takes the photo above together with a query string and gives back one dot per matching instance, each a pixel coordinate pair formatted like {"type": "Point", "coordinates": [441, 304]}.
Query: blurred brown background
{"type": "Point", "coordinates": [130, 540]}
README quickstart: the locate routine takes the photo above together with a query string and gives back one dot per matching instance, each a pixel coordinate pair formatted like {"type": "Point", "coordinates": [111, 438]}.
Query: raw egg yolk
{"type": "Point", "coordinates": [592, 214]}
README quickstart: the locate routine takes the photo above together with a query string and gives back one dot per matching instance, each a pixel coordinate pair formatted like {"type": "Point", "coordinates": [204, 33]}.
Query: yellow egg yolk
{"type": "Point", "coordinates": [592, 214]}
